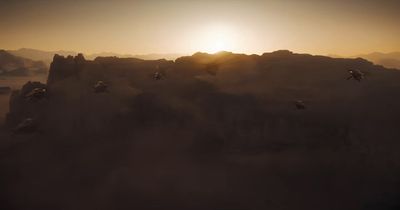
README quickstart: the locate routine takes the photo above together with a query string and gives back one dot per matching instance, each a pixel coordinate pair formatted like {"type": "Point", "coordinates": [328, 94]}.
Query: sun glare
{"type": "Point", "coordinates": [217, 38]}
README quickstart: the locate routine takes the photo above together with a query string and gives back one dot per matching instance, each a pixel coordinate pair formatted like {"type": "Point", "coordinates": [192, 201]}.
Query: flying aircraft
{"type": "Point", "coordinates": [25, 126]}
{"type": "Point", "coordinates": [100, 87]}
{"type": "Point", "coordinates": [356, 75]}
{"type": "Point", "coordinates": [158, 76]}
{"type": "Point", "coordinates": [300, 105]}
{"type": "Point", "coordinates": [36, 94]}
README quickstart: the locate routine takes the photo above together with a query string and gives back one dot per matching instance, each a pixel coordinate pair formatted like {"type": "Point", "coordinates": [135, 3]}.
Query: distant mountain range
{"type": "Point", "coordinates": [47, 56]}
{"type": "Point", "coordinates": [388, 60]}
{"type": "Point", "coordinates": [39, 55]}
{"type": "Point", "coordinates": [11, 65]}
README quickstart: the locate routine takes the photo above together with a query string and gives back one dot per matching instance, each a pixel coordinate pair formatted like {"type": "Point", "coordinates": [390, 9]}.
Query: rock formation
{"type": "Point", "coordinates": [221, 131]}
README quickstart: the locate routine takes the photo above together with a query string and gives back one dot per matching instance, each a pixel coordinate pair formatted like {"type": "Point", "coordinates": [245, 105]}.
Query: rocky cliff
{"type": "Point", "coordinates": [220, 130]}
{"type": "Point", "coordinates": [230, 90]}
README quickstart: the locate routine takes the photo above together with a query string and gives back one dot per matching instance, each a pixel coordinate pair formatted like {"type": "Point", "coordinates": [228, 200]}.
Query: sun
{"type": "Point", "coordinates": [217, 38]}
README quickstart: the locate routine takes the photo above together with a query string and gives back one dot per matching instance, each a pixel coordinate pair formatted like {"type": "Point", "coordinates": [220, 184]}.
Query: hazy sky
{"type": "Point", "coordinates": [343, 27]}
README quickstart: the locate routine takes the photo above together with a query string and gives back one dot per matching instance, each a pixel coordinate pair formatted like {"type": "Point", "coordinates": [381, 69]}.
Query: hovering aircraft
{"type": "Point", "coordinates": [356, 75]}
{"type": "Point", "coordinates": [36, 94]}
{"type": "Point", "coordinates": [25, 126]}
{"type": "Point", "coordinates": [300, 105]}
{"type": "Point", "coordinates": [212, 69]}
{"type": "Point", "coordinates": [158, 76]}
{"type": "Point", "coordinates": [100, 87]}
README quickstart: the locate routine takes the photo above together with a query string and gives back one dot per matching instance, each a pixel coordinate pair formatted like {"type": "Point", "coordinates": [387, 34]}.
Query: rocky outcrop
{"type": "Point", "coordinates": [64, 67]}
{"type": "Point", "coordinates": [21, 107]}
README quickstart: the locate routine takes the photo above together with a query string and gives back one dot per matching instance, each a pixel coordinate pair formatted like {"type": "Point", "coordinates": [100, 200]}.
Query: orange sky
{"type": "Point", "coordinates": [344, 27]}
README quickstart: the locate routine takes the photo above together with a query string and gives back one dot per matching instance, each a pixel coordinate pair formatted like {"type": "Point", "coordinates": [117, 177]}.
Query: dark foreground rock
{"type": "Point", "coordinates": [218, 131]}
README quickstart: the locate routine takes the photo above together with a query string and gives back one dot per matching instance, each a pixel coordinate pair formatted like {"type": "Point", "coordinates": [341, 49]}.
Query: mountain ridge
{"type": "Point", "coordinates": [389, 60]}
{"type": "Point", "coordinates": [11, 65]}
{"type": "Point", "coordinates": [47, 56]}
